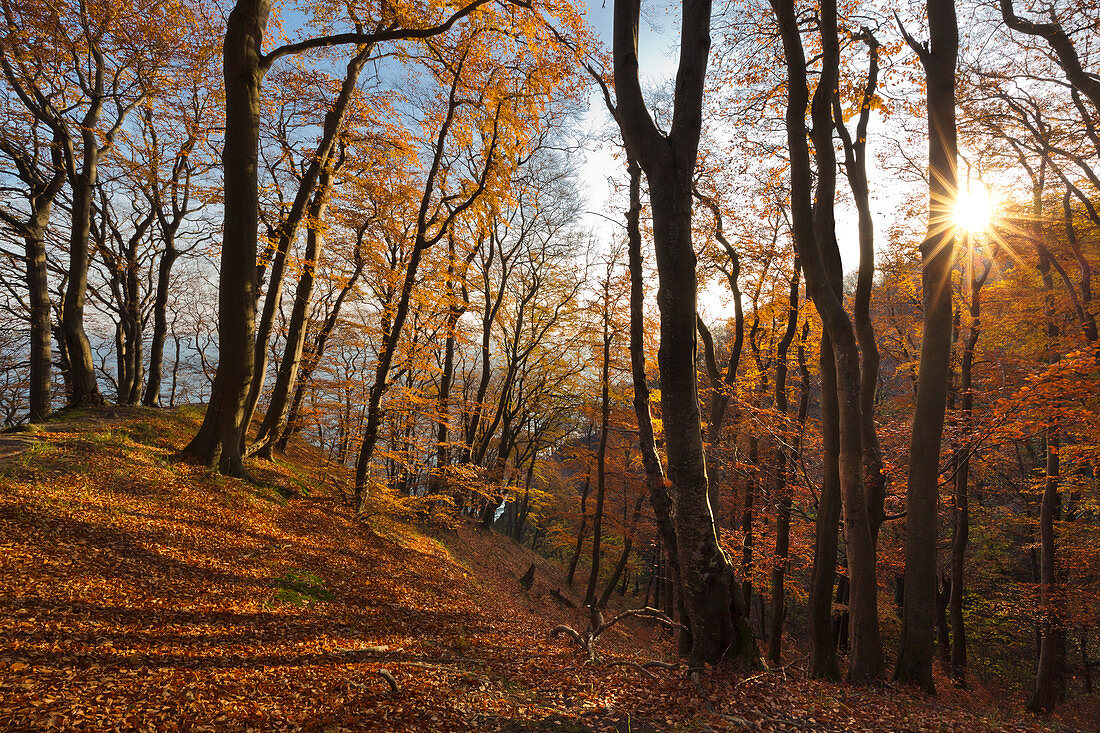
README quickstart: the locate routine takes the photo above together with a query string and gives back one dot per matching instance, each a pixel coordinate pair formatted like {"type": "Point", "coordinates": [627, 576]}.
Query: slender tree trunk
{"type": "Point", "coordinates": [584, 527]}
{"type": "Point", "coordinates": [521, 510]}
{"type": "Point", "coordinates": [85, 390]}
{"type": "Point", "coordinates": [38, 297]}
{"type": "Point", "coordinates": [175, 371]}
{"type": "Point", "coordinates": [422, 242]}
{"type": "Point", "coordinates": [42, 190]}
{"type": "Point", "coordinates": [961, 533]}
{"type": "Point", "coordinates": [914, 663]}
{"type": "Point", "coordinates": [780, 488]}
{"type": "Point", "coordinates": [1085, 309]}
{"type": "Point", "coordinates": [133, 324]}
{"type": "Point", "coordinates": [287, 231]}
{"type": "Point", "coordinates": [624, 556]}
{"type": "Point", "coordinates": [601, 449]}
{"type": "Point", "coordinates": [723, 385]}
{"type": "Point", "coordinates": [275, 419]}
{"type": "Point", "coordinates": [317, 349]}
{"type": "Point", "coordinates": [814, 233]}
{"type": "Point", "coordinates": [943, 637]}
{"type": "Point", "coordinates": [842, 620]}
{"type": "Point", "coordinates": [1050, 677]}
{"type": "Point", "coordinates": [160, 322]}
{"type": "Point", "coordinates": [746, 525]}
{"type": "Point", "coordinates": [455, 310]}
{"type": "Point", "coordinates": [823, 662]}
{"type": "Point", "coordinates": [855, 155]}
{"type": "Point", "coordinates": [659, 497]}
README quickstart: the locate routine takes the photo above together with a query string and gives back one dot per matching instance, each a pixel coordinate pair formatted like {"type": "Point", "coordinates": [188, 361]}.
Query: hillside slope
{"type": "Point", "coordinates": [140, 593]}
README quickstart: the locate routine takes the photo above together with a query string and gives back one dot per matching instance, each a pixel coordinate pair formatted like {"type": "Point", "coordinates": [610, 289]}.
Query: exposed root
{"type": "Point", "coordinates": [696, 676]}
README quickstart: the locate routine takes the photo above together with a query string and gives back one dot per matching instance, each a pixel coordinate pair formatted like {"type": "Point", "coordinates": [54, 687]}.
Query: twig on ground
{"type": "Point", "coordinates": [389, 678]}
{"type": "Point", "coordinates": [772, 670]}
{"type": "Point", "coordinates": [644, 667]}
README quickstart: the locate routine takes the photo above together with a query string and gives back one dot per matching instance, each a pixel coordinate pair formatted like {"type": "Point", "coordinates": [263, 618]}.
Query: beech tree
{"type": "Point", "coordinates": [938, 57]}
{"type": "Point", "coordinates": [717, 624]}
{"type": "Point", "coordinates": [218, 442]}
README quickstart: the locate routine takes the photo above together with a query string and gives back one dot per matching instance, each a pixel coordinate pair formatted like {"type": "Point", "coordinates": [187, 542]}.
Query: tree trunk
{"type": "Point", "coordinates": [1050, 677]}
{"type": "Point", "coordinates": [584, 527]}
{"type": "Point", "coordinates": [961, 534]}
{"type": "Point", "coordinates": [914, 663]}
{"type": "Point", "coordinates": [718, 628]}
{"type": "Point", "coordinates": [855, 159]}
{"type": "Point", "coordinates": [218, 442]}
{"type": "Point", "coordinates": [319, 168]}
{"type": "Point", "coordinates": [455, 310]}
{"type": "Point", "coordinates": [38, 297]}
{"type": "Point", "coordinates": [823, 662]}
{"type": "Point", "coordinates": [160, 323]}
{"type": "Point", "coordinates": [813, 228]}
{"type": "Point", "coordinates": [275, 419]}
{"type": "Point", "coordinates": [316, 351]}
{"type": "Point", "coordinates": [624, 556]}
{"type": "Point", "coordinates": [601, 449]}
{"type": "Point", "coordinates": [85, 390]}
{"type": "Point", "coordinates": [780, 488]}
{"type": "Point", "coordinates": [943, 637]}
{"type": "Point", "coordinates": [746, 525]}
{"type": "Point", "coordinates": [659, 497]}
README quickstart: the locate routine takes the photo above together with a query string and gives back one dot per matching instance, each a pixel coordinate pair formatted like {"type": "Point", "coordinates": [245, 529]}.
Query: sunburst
{"type": "Point", "coordinates": [974, 209]}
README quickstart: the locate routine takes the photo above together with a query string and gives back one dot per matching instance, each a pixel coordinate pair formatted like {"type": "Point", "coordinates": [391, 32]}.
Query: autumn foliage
{"type": "Point", "coordinates": [814, 388]}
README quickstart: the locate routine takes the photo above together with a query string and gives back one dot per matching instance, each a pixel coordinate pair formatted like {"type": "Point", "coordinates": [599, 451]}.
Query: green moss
{"type": "Point", "coordinates": [299, 588]}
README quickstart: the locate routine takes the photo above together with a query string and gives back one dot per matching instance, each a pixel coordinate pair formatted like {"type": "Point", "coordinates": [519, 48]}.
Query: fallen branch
{"type": "Point", "coordinates": [772, 670]}
{"type": "Point", "coordinates": [644, 667]}
{"type": "Point", "coordinates": [597, 626]}
{"type": "Point", "coordinates": [563, 629]}
{"type": "Point", "coordinates": [661, 665]}
{"type": "Point", "coordinates": [650, 613]}
{"type": "Point", "coordinates": [389, 678]}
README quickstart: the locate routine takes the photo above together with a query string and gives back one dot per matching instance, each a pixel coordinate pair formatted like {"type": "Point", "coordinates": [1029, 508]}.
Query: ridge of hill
{"type": "Point", "coordinates": [141, 593]}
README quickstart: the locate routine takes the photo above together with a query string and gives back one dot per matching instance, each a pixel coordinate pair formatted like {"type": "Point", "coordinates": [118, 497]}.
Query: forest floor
{"type": "Point", "coordinates": [141, 593]}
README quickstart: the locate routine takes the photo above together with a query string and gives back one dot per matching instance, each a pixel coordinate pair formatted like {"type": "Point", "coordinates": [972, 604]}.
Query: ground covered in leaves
{"type": "Point", "coordinates": [141, 593]}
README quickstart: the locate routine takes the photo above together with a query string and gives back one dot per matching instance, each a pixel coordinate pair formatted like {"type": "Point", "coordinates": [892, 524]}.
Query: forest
{"type": "Point", "coordinates": [770, 323]}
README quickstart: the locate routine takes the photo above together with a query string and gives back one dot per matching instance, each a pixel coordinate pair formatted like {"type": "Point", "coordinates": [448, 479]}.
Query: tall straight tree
{"type": "Point", "coordinates": [918, 615]}
{"type": "Point", "coordinates": [669, 164]}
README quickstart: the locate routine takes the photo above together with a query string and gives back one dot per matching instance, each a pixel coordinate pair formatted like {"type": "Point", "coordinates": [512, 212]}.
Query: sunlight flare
{"type": "Point", "coordinates": [974, 209]}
